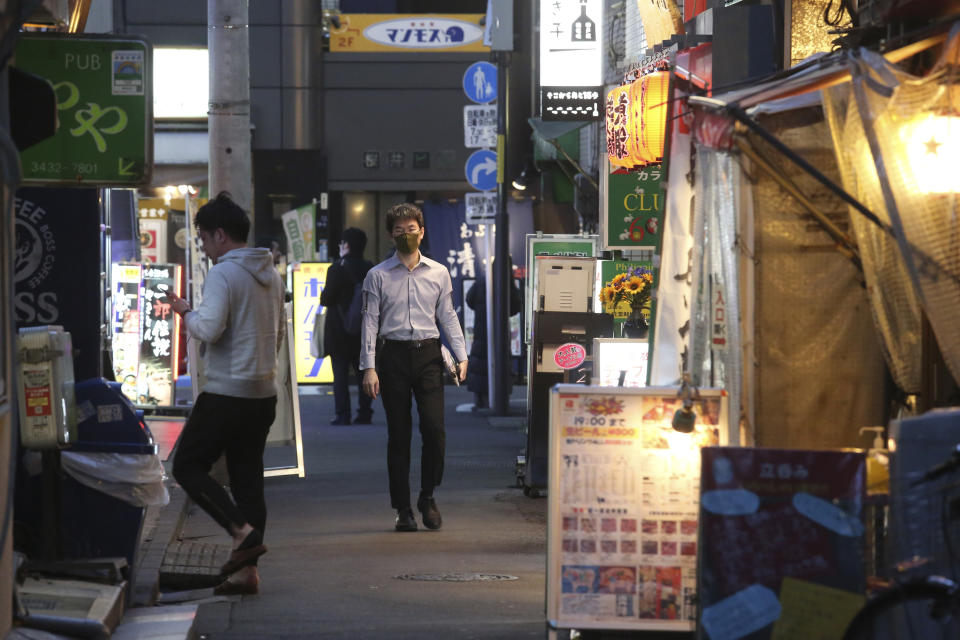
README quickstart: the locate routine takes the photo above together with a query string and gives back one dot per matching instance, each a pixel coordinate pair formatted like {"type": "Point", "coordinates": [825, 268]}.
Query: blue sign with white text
{"type": "Point", "coordinates": [480, 82]}
{"type": "Point", "coordinates": [481, 170]}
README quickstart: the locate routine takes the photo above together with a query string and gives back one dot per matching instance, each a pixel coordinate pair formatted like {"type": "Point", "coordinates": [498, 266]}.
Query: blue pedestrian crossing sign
{"type": "Point", "coordinates": [480, 82]}
{"type": "Point", "coordinates": [481, 170]}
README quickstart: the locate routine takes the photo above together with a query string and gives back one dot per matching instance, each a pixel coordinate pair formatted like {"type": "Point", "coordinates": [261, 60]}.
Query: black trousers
{"type": "Point", "coordinates": [343, 363]}
{"type": "Point", "coordinates": [405, 373]}
{"type": "Point", "coordinates": [237, 428]}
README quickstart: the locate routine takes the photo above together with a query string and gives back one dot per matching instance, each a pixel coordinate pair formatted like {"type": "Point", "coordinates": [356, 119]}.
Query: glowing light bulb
{"type": "Point", "coordinates": [932, 145]}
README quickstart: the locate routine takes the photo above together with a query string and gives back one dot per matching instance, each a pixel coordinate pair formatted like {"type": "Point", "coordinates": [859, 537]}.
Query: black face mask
{"type": "Point", "coordinates": [407, 243]}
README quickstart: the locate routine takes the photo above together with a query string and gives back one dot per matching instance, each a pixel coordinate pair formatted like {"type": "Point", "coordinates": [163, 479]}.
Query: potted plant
{"type": "Point", "coordinates": [629, 292]}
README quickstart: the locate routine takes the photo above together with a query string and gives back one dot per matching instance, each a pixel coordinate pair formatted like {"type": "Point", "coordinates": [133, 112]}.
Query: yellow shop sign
{"type": "Point", "coordinates": [360, 32]}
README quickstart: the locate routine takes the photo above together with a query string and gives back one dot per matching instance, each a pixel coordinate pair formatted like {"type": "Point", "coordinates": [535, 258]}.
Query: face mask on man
{"type": "Point", "coordinates": [407, 242]}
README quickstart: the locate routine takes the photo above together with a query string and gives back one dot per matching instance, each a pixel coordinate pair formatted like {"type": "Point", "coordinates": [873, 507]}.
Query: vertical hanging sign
{"type": "Point", "coordinates": [571, 62]}
{"type": "Point", "coordinates": [161, 326]}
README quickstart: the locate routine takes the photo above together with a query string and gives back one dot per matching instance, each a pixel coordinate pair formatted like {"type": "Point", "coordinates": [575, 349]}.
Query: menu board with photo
{"type": "Point", "coordinates": [127, 299]}
{"type": "Point", "coordinates": [623, 502]}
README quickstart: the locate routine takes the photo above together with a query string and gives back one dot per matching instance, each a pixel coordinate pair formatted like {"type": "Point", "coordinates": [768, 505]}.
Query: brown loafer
{"type": "Point", "coordinates": [244, 588]}
{"type": "Point", "coordinates": [241, 558]}
{"type": "Point", "coordinates": [246, 554]}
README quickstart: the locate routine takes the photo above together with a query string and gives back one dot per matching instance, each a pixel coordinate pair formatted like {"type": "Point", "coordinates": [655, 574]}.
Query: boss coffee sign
{"type": "Point", "coordinates": [56, 275]}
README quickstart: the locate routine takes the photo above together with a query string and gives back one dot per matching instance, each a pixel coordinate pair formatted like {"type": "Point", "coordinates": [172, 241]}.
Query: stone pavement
{"type": "Point", "coordinates": [336, 568]}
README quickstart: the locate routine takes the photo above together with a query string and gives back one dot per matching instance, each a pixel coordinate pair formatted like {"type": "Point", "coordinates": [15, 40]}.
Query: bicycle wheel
{"type": "Point", "coordinates": [923, 609]}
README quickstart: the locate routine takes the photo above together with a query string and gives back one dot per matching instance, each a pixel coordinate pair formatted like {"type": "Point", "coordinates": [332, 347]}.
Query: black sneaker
{"type": "Point", "coordinates": [340, 421]}
{"type": "Point", "coordinates": [363, 418]}
{"type": "Point", "coordinates": [431, 515]}
{"type": "Point", "coordinates": [405, 520]}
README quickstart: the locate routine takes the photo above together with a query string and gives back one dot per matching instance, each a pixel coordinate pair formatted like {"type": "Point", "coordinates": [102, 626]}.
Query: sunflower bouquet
{"type": "Point", "coordinates": [628, 293]}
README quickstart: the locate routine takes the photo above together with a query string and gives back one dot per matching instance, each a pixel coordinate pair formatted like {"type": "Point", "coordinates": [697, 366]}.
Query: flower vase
{"type": "Point", "coordinates": [635, 326]}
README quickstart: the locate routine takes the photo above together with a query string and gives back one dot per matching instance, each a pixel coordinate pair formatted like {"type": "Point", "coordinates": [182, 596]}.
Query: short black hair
{"type": "Point", "coordinates": [403, 211]}
{"type": "Point", "coordinates": [223, 213]}
{"type": "Point", "coordinates": [355, 238]}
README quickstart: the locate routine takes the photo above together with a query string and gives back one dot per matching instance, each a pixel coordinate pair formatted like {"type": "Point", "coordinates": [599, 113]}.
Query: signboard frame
{"type": "Point", "coordinates": [557, 240]}
{"type": "Point", "coordinates": [287, 386]}
{"type": "Point", "coordinates": [624, 439]}
{"type": "Point", "coordinates": [50, 154]}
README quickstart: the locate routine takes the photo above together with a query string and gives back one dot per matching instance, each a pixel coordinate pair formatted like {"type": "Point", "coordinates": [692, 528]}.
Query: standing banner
{"type": "Point", "coordinates": [308, 281]}
{"type": "Point", "coordinates": [674, 294]}
{"type": "Point", "coordinates": [299, 227]}
{"type": "Point", "coordinates": [159, 344]}
{"type": "Point", "coordinates": [622, 508]}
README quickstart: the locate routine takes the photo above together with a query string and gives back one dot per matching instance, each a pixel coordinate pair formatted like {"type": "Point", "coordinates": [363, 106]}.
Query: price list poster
{"type": "Point", "coordinates": [623, 502]}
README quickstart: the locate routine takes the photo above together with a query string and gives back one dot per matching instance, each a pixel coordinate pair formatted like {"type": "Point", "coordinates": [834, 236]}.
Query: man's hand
{"type": "Point", "coordinates": [178, 304]}
{"type": "Point", "coordinates": [371, 383]}
{"type": "Point", "coordinates": [462, 370]}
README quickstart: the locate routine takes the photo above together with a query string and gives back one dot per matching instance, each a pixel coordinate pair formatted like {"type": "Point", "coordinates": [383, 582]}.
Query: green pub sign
{"type": "Point", "coordinates": [103, 89]}
{"type": "Point", "coordinates": [634, 211]}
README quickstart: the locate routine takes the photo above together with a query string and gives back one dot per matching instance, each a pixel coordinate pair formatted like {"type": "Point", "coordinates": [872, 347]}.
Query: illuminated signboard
{"type": "Point", "coordinates": [308, 281]}
{"type": "Point", "coordinates": [408, 32]}
{"type": "Point", "coordinates": [160, 336]}
{"type": "Point", "coordinates": [571, 62]}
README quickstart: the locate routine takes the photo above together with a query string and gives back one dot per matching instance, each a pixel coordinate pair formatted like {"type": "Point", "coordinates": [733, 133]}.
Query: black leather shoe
{"type": "Point", "coordinates": [363, 418]}
{"type": "Point", "coordinates": [405, 520]}
{"type": "Point", "coordinates": [431, 515]}
{"type": "Point", "coordinates": [340, 421]}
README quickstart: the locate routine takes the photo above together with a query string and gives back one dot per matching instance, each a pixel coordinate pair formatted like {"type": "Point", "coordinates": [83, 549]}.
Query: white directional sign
{"type": "Point", "coordinates": [481, 207]}
{"type": "Point", "coordinates": [479, 126]}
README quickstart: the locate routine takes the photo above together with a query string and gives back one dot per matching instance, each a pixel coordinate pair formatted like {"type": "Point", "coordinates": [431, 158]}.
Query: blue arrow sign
{"type": "Point", "coordinates": [480, 82]}
{"type": "Point", "coordinates": [481, 170]}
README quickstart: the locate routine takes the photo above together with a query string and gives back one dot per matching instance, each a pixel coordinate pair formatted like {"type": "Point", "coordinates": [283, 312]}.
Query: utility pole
{"type": "Point", "coordinates": [228, 40]}
{"type": "Point", "coordinates": [499, 35]}
{"type": "Point", "coordinates": [502, 271]}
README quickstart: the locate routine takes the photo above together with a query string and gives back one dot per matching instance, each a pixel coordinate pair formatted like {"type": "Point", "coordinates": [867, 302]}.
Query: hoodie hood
{"type": "Point", "coordinates": [258, 262]}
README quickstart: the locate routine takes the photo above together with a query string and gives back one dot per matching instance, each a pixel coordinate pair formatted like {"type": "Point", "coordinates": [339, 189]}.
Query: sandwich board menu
{"type": "Point", "coordinates": [623, 501]}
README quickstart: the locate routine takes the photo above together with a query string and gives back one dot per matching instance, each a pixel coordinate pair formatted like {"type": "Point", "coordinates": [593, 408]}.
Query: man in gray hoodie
{"type": "Point", "coordinates": [240, 325]}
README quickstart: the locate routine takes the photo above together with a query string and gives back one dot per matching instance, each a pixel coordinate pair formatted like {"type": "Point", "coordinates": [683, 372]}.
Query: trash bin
{"type": "Point", "coordinates": [110, 476]}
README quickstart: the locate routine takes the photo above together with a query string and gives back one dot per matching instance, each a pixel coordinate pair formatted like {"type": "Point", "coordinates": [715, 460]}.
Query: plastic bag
{"type": "Point", "coordinates": [136, 479]}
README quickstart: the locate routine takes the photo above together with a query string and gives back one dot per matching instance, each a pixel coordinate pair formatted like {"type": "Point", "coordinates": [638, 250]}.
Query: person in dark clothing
{"type": "Point", "coordinates": [340, 342]}
{"type": "Point", "coordinates": [477, 369]}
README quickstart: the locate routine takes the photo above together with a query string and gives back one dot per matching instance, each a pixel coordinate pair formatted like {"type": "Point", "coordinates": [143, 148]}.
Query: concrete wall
{"type": "Point", "coordinates": [402, 103]}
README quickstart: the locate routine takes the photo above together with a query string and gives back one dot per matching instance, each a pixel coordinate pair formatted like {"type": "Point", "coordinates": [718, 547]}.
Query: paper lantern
{"type": "Point", "coordinates": [650, 96]}
{"type": "Point", "coordinates": [622, 145]}
{"type": "Point", "coordinates": [637, 121]}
